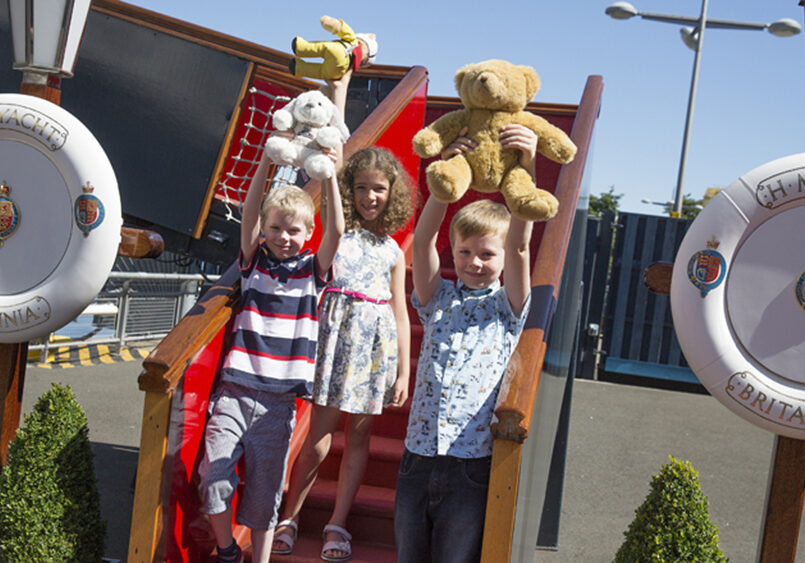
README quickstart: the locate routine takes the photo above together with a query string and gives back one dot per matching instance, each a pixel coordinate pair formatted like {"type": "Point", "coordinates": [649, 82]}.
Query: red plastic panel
{"type": "Point", "coordinates": [397, 140]}
{"type": "Point", "coordinates": [189, 538]}
{"type": "Point", "coordinates": [188, 535]}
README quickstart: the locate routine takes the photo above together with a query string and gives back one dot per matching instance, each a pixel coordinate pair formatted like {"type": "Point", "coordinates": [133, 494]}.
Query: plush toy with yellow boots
{"type": "Point", "coordinates": [494, 94]}
{"type": "Point", "coordinates": [351, 50]}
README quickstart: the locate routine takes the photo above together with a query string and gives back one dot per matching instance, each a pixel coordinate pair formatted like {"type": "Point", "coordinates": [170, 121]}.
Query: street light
{"type": "Point", "coordinates": [46, 37]}
{"type": "Point", "coordinates": [693, 38]}
{"type": "Point", "coordinates": [668, 205]}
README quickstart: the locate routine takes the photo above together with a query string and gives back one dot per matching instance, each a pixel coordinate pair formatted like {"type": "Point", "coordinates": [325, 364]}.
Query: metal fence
{"type": "Point", "coordinates": [627, 326]}
{"type": "Point", "coordinates": [132, 306]}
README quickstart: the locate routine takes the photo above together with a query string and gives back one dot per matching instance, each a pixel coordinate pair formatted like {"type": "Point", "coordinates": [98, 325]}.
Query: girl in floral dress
{"type": "Point", "coordinates": [362, 362]}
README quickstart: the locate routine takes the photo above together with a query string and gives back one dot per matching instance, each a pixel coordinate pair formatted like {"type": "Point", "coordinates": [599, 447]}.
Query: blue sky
{"type": "Point", "coordinates": [750, 104]}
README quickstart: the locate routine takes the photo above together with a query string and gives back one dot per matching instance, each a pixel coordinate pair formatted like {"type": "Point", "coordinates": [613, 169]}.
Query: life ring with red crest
{"type": "Point", "coordinates": [60, 217]}
{"type": "Point", "coordinates": [738, 296]}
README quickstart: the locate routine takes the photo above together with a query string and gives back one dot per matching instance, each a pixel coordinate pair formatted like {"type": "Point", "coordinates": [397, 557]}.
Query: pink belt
{"type": "Point", "coordinates": [354, 295]}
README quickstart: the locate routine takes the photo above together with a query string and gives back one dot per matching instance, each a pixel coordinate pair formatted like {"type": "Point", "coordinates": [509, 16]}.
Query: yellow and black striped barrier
{"type": "Point", "coordinates": [85, 355]}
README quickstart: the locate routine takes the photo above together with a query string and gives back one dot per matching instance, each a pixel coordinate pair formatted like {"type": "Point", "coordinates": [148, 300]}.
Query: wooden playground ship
{"type": "Point", "coordinates": [195, 106]}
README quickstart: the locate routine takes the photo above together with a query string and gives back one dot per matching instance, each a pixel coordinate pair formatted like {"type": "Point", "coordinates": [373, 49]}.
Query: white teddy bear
{"type": "Point", "coordinates": [315, 122]}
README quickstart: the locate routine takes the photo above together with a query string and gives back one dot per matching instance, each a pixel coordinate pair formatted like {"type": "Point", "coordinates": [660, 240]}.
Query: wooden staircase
{"type": "Point", "coordinates": [371, 519]}
{"type": "Point", "coordinates": [180, 373]}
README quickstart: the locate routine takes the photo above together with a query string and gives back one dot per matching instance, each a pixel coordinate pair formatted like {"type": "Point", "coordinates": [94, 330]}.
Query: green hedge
{"type": "Point", "coordinates": [49, 503]}
{"type": "Point", "coordinates": [673, 523]}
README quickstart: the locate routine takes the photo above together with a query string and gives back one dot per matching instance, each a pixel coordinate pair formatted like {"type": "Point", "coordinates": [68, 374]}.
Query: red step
{"type": "Point", "coordinates": [308, 550]}
{"type": "Point", "coordinates": [393, 422]}
{"type": "Point", "coordinates": [384, 460]}
{"type": "Point", "coordinates": [371, 519]}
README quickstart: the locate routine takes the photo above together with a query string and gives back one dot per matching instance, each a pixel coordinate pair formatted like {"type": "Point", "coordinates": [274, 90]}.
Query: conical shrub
{"type": "Point", "coordinates": [49, 502]}
{"type": "Point", "coordinates": [673, 523]}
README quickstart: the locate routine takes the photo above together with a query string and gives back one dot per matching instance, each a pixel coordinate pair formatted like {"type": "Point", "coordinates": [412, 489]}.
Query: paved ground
{"type": "Point", "coordinates": [619, 437]}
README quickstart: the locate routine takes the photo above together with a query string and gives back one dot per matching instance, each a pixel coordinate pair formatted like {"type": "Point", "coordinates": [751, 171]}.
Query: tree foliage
{"type": "Point", "coordinates": [49, 502]}
{"type": "Point", "coordinates": [690, 207]}
{"type": "Point", "coordinates": [673, 523]}
{"type": "Point", "coordinates": [607, 201]}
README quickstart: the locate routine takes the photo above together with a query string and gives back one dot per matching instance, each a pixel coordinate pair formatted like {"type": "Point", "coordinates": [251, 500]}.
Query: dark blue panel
{"type": "Point", "coordinates": [543, 306]}
{"type": "Point", "coordinates": [159, 106]}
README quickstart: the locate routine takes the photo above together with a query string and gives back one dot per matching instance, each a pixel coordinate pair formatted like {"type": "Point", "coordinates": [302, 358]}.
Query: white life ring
{"type": "Point", "coordinates": [738, 296]}
{"type": "Point", "coordinates": [59, 221]}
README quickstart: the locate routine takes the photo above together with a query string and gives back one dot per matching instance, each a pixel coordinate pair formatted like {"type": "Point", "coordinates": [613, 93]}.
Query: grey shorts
{"type": "Point", "coordinates": [256, 425]}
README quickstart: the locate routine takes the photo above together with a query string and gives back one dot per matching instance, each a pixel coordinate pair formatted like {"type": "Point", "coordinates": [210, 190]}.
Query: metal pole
{"type": "Point", "coordinates": [680, 182]}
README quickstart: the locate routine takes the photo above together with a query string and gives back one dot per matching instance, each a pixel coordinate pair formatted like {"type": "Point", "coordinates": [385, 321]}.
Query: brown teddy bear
{"type": "Point", "coordinates": [494, 94]}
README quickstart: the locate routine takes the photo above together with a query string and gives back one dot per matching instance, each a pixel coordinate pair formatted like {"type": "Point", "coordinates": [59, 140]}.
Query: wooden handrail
{"type": "Point", "coordinates": [163, 368]}
{"type": "Point", "coordinates": [519, 390]}
{"type": "Point", "coordinates": [521, 380]}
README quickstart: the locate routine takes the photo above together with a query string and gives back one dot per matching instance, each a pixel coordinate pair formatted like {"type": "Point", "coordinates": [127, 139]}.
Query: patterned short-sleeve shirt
{"type": "Point", "coordinates": [469, 337]}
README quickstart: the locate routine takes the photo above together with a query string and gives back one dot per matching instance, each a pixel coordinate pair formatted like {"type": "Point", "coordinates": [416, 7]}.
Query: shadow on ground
{"type": "Point", "coordinates": [115, 469]}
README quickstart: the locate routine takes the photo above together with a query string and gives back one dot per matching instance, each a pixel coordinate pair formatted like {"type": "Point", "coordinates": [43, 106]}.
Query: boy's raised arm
{"type": "Point", "coordinates": [517, 261]}
{"type": "Point", "coordinates": [426, 263]}
{"type": "Point", "coordinates": [250, 213]}
{"type": "Point", "coordinates": [333, 221]}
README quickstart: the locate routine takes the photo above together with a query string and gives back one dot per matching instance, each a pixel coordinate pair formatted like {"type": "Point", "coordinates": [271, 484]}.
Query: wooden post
{"type": "Point", "coordinates": [147, 514]}
{"type": "Point", "coordinates": [778, 539]}
{"type": "Point", "coordinates": [49, 91]}
{"type": "Point", "coordinates": [501, 501]}
{"type": "Point", "coordinates": [13, 358]}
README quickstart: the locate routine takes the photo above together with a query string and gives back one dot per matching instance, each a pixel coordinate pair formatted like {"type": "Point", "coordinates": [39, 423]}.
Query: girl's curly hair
{"type": "Point", "coordinates": [399, 207]}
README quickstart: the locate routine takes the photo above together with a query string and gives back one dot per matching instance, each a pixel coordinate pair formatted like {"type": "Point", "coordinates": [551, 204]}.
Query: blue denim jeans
{"type": "Point", "coordinates": [440, 507]}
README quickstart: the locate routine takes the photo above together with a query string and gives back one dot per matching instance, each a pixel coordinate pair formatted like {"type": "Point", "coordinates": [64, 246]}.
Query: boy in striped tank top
{"type": "Point", "coordinates": [271, 360]}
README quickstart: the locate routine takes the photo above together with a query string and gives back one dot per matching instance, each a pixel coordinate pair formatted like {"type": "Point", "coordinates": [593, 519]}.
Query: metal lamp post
{"type": "Point", "coordinates": [46, 36]}
{"type": "Point", "coordinates": [693, 38]}
{"type": "Point", "coordinates": [669, 205]}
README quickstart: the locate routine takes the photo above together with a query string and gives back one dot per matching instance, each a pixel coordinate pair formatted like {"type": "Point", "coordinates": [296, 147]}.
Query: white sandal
{"type": "Point", "coordinates": [336, 545]}
{"type": "Point", "coordinates": [287, 539]}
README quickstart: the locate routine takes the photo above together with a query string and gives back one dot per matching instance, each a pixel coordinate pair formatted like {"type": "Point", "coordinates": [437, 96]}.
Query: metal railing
{"type": "Point", "coordinates": [135, 306]}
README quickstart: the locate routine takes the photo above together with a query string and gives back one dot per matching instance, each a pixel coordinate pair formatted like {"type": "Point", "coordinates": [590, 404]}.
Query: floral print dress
{"type": "Point", "coordinates": [356, 362]}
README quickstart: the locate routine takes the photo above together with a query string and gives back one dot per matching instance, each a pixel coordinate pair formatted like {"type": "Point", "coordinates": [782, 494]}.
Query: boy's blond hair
{"type": "Point", "coordinates": [290, 200]}
{"type": "Point", "coordinates": [482, 217]}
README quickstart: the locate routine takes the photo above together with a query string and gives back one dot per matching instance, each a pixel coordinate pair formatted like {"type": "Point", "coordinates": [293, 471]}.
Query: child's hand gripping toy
{"type": "Point", "coordinates": [353, 50]}
{"type": "Point", "coordinates": [494, 94]}
{"type": "Point", "coordinates": [315, 123]}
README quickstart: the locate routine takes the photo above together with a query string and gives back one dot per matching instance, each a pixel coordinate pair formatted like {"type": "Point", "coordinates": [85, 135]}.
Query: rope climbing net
{"type": "Point", "coordinates": [253, 131]}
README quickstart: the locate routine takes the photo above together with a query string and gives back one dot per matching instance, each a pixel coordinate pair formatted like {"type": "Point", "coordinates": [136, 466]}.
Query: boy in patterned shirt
{"type": "Point", "coordinates": [271, 359]}
{"type": "Point", "coordinates": [471, 329]}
